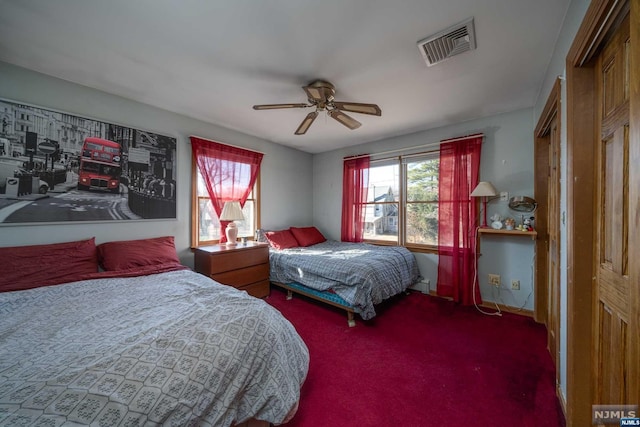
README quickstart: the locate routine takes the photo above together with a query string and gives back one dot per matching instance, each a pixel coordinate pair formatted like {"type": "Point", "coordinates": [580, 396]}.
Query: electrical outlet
{"type": "Point", "coordinates": [515, 285]}
{"type": "Point", "coordinates": [494, 279]}
{"type": "Point", "coordinates": [504, 196]}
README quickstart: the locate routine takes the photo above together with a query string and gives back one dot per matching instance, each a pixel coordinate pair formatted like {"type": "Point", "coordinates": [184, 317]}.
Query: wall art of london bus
{"type": "Point", "coordinates": [100, 166]}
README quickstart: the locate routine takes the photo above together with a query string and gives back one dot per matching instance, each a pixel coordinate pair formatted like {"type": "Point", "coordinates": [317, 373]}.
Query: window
{"type": "Point", "coordinates": [421, 204]}
{"type": "Point", "coordinates": [205, 224]}
{"type": "Point", "coordinates": [383, 197]}
{"type": "Point", "coordinates": [402, 203]}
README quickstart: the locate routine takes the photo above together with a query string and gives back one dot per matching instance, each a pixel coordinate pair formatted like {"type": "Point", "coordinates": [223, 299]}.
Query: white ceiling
{"type": "Point", "coordinates": [214, 59]}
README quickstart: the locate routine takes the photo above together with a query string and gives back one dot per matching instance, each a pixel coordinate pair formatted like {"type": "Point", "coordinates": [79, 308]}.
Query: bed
{"type": "Point", "coordinates": [351, 276]}
{"type": "Point", "coordinates": [154, 344]}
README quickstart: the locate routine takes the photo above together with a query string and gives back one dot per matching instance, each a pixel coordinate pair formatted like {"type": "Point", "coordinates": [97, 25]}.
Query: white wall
{"type": "Point", "coordinates": [507, 161]}
{"type": "Point", "coordinates": [285, 173]}
{"type": "Point", "coordinates": [572, 21]}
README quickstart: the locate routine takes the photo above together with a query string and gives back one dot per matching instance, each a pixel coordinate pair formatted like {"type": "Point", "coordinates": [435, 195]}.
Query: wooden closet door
{"type": "Point", "coordinates": [612, 286]}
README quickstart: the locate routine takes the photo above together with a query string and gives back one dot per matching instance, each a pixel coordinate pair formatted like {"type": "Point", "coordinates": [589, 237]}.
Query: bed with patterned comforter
{"type": "Point", "coordinates": [361, 274]}
{"type": "Point", "coordinates": [174, 348]}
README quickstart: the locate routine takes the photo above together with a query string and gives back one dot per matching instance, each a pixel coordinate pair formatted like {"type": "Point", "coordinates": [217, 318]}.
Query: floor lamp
{"type": "Point", "coordinates": [485, 190]}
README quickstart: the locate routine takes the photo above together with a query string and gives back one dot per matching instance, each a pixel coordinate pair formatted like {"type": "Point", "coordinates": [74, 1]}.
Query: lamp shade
{"type": "Point", "coordinates": [231, 211]}
{"type": "Point", "coordinates": [484, 189]}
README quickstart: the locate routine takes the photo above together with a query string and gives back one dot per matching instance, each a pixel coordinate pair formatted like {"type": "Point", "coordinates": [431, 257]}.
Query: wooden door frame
{"type": "Point", "coordinates": [542, 140]}
{"type": "Point", "coordinates": [540, 191]}
{"type": "Point", "coordinates": [582, 141]}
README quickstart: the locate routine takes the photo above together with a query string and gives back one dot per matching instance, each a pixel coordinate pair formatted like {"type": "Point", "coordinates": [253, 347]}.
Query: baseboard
{"type": "Point", "coordinates": [434, 294]}
{"type": "Point", "coordinates": [562, 400]}
{"type": "Point", "coordinates": [422, 286]}
{"type": "Point", "coordinates": [508, 309]}
{"type": "Point", "coordinates": [490, 305]}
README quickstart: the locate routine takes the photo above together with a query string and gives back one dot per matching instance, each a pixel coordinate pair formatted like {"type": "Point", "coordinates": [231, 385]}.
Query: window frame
{"type": "Point", "coordinates": [195, 208]}
{"type": "Point", "coordinates": [402, 162]}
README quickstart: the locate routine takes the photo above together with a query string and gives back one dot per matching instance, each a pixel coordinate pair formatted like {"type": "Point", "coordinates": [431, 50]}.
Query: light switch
{"type": "Point", "coordinates": [504, 196]}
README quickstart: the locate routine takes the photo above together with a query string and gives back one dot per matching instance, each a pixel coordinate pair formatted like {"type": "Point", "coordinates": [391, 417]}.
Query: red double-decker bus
{"type": "Point", "coordinates": [100, 167]}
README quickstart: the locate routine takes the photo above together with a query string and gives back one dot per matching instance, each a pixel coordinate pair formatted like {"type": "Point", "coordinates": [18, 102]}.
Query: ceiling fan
{"type": "Point", "coordinates": [321, 95]}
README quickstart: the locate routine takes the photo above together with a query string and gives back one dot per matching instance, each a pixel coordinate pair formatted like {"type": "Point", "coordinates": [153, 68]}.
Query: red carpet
{"type": "Point", "coordinates": [422, 362]}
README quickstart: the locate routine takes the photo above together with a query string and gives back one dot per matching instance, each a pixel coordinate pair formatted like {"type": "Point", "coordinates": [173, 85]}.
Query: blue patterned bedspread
{"type": "Point", "coordinates": [166, 349]}
{"type": "Point", "coordinates": [362, 274]}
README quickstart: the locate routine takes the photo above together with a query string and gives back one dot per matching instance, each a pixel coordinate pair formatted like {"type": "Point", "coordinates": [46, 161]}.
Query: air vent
{"type": "Point", "coordinates": [450, 42]}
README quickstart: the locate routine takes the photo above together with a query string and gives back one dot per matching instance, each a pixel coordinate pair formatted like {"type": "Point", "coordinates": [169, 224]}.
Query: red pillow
{"type": "Point", "coordinates": [126, 254]}
{"type": "Point", "coordinates": [282, 239]}
{"type": "Point", "coordinates": [307, 236]}
{"type": "Point", "coordinates": [26, 267]}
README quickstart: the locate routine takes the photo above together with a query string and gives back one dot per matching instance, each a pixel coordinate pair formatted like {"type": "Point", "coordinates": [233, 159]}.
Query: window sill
{"type": "Point", "coordinates": [412, 247]}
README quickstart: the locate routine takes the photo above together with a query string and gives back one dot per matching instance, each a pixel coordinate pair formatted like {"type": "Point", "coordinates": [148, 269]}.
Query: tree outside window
{"type": "Point", "coordinates": [422, 201]}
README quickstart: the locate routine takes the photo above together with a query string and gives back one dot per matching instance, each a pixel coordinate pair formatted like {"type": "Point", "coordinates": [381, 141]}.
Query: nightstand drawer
{"type": "Point", "coordinates": [258, 290]}
{"type": "Point", "coordinates": [245, 266]}
{"type": "Point", "coordinates": [243, 276]}
{"type": "Point", "coordinates": [233, 260]}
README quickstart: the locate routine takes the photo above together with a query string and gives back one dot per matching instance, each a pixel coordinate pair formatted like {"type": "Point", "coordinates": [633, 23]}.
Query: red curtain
{"type": "Point", "coordinates": [457, 213]}
{"type": "Point", "coordinates": [229, 173]}
{"type": "Point", "coordinates": [355, 183]}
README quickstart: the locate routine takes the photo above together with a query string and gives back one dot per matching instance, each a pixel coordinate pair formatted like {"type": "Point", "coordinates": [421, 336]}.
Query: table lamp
{"type": "Point", "coordinates": [231, 211]}
{"type": "Point", "coordinates": [485, 190]}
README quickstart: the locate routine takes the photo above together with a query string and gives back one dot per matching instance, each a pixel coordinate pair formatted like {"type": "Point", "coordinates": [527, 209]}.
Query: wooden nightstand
{"type": "Point", "coordinates": [244, 266]}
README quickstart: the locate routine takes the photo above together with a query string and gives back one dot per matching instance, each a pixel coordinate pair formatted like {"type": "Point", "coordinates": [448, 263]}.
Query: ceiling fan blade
{"type": "Point", "coordinates": [356, 107]}
{"type": "Point", "coordinates": [315, 93]}
{"type": "Point", "coordinates": [302, 129]}
{"type": "Point", "coordinates": [348, 121]}
{"type": "Point", "coordinates": [276, 106]}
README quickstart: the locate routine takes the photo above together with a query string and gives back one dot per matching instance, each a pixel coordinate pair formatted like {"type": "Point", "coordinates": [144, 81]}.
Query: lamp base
{"type": "Point", "coordinates": [232, 234]}
{"type": "Point", "coordinates": [484, 213]}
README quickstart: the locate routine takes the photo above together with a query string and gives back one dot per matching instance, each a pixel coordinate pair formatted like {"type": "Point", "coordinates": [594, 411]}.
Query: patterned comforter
{"type": "Point", "coordinates": [362, 274]}
{"type": "Point", "coordinates": [174, 349]}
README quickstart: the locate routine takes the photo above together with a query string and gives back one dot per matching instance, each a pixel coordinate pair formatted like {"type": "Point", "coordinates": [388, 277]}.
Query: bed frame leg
{"type": "Point", "coordinates": [350, 319]}
{"type": "Point", "coordinates": [289, 295]}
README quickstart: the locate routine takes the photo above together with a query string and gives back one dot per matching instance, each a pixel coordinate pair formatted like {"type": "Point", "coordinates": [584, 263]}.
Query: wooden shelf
{"type": "Point", "coordinates": [532, 234]}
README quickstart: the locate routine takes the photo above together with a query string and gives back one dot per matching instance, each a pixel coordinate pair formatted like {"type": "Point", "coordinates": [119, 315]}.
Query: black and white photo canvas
{"type": "Point", "coordinates": [58, 167]}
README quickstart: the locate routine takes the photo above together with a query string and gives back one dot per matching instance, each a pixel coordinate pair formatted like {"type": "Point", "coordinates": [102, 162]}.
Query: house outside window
{"type": "Point", "coordinates": [205, 224]}
{"type": "Point", "coordinates": [383, 196]}
{"type": "Point", "coordinates": [402, 202]}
